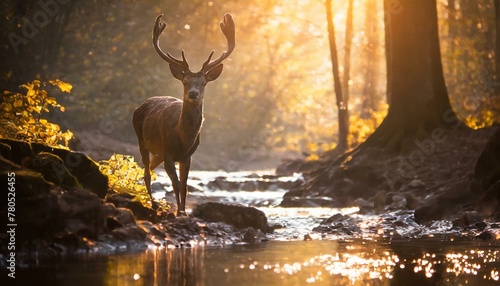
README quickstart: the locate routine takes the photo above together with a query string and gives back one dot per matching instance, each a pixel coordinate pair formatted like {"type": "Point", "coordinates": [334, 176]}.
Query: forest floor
{"type": "Point", "coordinates": [375, 180]}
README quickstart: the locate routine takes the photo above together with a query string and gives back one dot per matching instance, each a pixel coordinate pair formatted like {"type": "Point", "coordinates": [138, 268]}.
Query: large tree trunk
{"type": "Point", "coordinates": [418, 97]}
{"type": "Point", "coordinates": [497, 47]}
{"type": "Point", "coordinates": [347, 69]}
{"type": "Point", "coordinates": [343, 115]}
{"type": "Point", "coordinates": [370, 101]}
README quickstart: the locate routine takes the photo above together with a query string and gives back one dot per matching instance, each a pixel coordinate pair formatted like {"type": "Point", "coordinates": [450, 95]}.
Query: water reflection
{"type": "Point", "coordinates": [317, 262]}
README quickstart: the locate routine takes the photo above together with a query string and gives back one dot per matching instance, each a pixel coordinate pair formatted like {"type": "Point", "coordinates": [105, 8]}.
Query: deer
{"type": "Point", "coordinates": [168, 129]}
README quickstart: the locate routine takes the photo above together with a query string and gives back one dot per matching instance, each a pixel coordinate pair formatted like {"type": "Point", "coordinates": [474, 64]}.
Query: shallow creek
{"type": "Point", "coordinates": [386, 249]}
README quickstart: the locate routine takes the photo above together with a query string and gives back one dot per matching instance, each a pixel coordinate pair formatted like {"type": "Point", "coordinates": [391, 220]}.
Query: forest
{"type": "Point", "coordinates": [391, 107]}
{"type": "Point", "coordinates": [276, 100]}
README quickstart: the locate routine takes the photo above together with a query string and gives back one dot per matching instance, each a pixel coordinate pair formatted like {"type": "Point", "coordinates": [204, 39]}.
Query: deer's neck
{"type": "Point", "coordinates": [190, 122]}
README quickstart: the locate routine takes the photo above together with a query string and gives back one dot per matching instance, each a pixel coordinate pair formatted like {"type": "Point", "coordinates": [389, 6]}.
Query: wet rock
{"type": "Point", "coordinates": [489, 202]}
{"type": "Point", "coordinates": [239, 216]}
{"type": "Point", "coordinates": [83, 168]}
{"type": "Point", "coordinates": [182, 229]}
{"type": "Point", "coordinates": [154, 229]}
{"type": "Point", "coordinates": [249, 186]}
{"type": "Point", "coordinates": [487, 169]}
{"type": "Point", "coordinates": [251, 183]}
{"type": "Point", "coordinates": [451, 201]}
{"type": "Point", "coordinates": [124, 217]}
{"type": "Point", "coordinates": [253, 236]}
{"type": "Point", "coordinates": [27, 183]}
{"type": "Point", "coordinates": [127, 201]}
{"type": "Point", "coordinates": [290, 166]}
{"type": "Point", "coordinates": [129, 233]}
{"type": "Point", "coordinates": [417, 184]}
{"type": "Point", "coordinates": [487, 235]}
{"type": "Point", "coordinates": [79, 228]}
{"type": "Point", "coordinates": [40, 216]}
{"type": "Point", "coordinates": [221, 183]}
{"type": "Point", "coordinates": [79, 203]}
{"type": "Point", "coordinates": [53, 170]}
{"type": "Point", "coordinates": [468, 218]}
{"type": "Point", "coordinates": [306, 202]}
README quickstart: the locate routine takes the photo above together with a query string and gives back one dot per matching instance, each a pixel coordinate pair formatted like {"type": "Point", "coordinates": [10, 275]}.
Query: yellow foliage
{"type": "Point", "coordinates": [64, 86]}
{"type": "Point", "coordinates": [21, 115]}
{"type": "Point", "coordinates": [484, 119]}
{"type": "Point", "coordinates": [126, 176]}
{"type": "Point", "coordinates": [361, 128]}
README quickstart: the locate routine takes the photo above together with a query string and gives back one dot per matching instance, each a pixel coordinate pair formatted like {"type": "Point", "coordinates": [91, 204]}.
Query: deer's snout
{"type": "Point", "coordinates": [193, 94]}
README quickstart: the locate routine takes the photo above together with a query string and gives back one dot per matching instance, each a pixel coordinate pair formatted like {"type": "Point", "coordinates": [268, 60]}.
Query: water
{"type": "Point", "coordinates": [316, 262]}
{"type": "Point", "coordinates": [295, 255]}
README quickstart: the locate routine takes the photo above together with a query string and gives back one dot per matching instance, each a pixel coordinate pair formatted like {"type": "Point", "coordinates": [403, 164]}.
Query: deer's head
{"type": "Point", "coordinates": [195, 82]}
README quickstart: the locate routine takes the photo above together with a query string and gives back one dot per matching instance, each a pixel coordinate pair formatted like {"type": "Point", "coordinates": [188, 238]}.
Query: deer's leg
{"type": "Point", "coordinates": [147, 170]}
{"type": "Point", "coordinates": [172, 174]}
{"type": "Point", "coordinates": [184, 172]}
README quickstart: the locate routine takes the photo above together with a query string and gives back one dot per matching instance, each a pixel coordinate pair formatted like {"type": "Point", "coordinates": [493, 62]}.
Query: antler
{"type": "Point", "coordinates": [157, 30]}
{"type": "Point", "coordinates": [228, 29]}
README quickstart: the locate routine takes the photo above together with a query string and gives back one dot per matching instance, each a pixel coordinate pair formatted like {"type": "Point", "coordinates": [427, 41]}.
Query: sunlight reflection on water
{"type": "Point", "coordinates": [317, 262]}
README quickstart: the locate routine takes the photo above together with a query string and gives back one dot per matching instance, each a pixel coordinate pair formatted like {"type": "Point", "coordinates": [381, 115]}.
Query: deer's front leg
{"type": "Point", "coordinates": [184, 172]}
{"type": "Point", "coordinates": [147, 171]}
{"type": "Point", "coordinates": [172, 174]}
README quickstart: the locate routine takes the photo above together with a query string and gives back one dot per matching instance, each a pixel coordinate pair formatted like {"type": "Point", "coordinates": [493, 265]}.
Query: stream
{"type": "Point", "coordinates": [385, 249]}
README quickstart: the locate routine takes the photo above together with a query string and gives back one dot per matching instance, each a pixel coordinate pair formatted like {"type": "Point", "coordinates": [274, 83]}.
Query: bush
{"type": "Point", "coordinates": [126, 176]}
{"type": "Point", "coordinates": [22, 115]}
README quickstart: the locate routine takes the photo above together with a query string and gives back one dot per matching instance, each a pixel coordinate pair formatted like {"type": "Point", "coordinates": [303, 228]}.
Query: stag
{"type": "Point", "coordinates": [169, 128]}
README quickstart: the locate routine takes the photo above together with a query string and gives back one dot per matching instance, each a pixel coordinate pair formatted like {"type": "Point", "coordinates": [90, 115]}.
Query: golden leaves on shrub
{"type": "Point", "coordinates": [21, 114]}
{"type": "Point", "coordinates": [126, 176]}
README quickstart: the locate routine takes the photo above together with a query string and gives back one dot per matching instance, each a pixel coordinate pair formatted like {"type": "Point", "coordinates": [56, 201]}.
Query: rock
{"type": "Point", "coordinates": [468, 218]}
{"type": "Point", "coordinates": [239, 216]}
{"type": "Point", "coordinates": [40, 216]}
{"type": "Point", "coordinates": [53, 170]}
{"type": "Point", "coordinates": [451, 201]}
{"type": "Point", "coordinates": [155, 229]}
{"type": "Point", "coordinates": [308, 202]}
{"type": "Point", "coordinates": [487, 169]}
{"type": "Point", "coordinates": [253, 236]}
{"type": "Point", "coordinates": [83, 168]}
{"type": "Point", "coordinates": [417, 184]}
{"type": "Point", "coordinates": [487, 178]}
{"type": "Point", "coordinates": [489, 203]}
{"type": "Point", "coordinates": [127, 201]}
{"type": "Point", "coordinates": [123, 217]}
{"type": "Point", "coordinates": [129, 233]}
{"type": "Point", "coordinates": [27, 183]}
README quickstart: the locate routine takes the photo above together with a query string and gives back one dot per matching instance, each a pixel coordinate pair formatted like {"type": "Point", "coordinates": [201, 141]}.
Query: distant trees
{"type": "Point", "coordinates": [276, 91]}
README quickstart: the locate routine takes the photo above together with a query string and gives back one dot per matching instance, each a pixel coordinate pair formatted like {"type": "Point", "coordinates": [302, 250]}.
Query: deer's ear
{"type": "Point", "coordinates": [214, 73]}
{"type": "Point", "coordinates": [176, 72]}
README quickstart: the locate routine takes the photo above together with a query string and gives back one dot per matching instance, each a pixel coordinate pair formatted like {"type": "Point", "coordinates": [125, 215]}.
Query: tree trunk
{"type": "Point", "coordinates": [418, 97]}
{"type": "Point", "coordinates": [343, 116]}
{"type": "Point", "coordinates": [370, 101]}
{"type": "Point", "coordinates": [497, 47]}
{"type": "Point", "coordinates": [347, 65]}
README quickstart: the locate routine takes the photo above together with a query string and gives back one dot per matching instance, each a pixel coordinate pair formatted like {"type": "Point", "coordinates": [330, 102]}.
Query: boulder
{"type": "Point", "coordinates": [238, 216]}
{"type": "Point", "coordinates": [61, 165]}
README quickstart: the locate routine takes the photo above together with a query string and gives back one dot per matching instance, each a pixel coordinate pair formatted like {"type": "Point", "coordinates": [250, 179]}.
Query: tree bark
{"type": "Point", "coordinates": [370, 100]}
{"type": "Point", "coordinates": [419, 100]}
{"type": "Point", "coordinates": [497, 47]}
{"type": "Point", "coordinates": [347, 65]}
{"type": "Point", "coordinates": [343, 116]}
